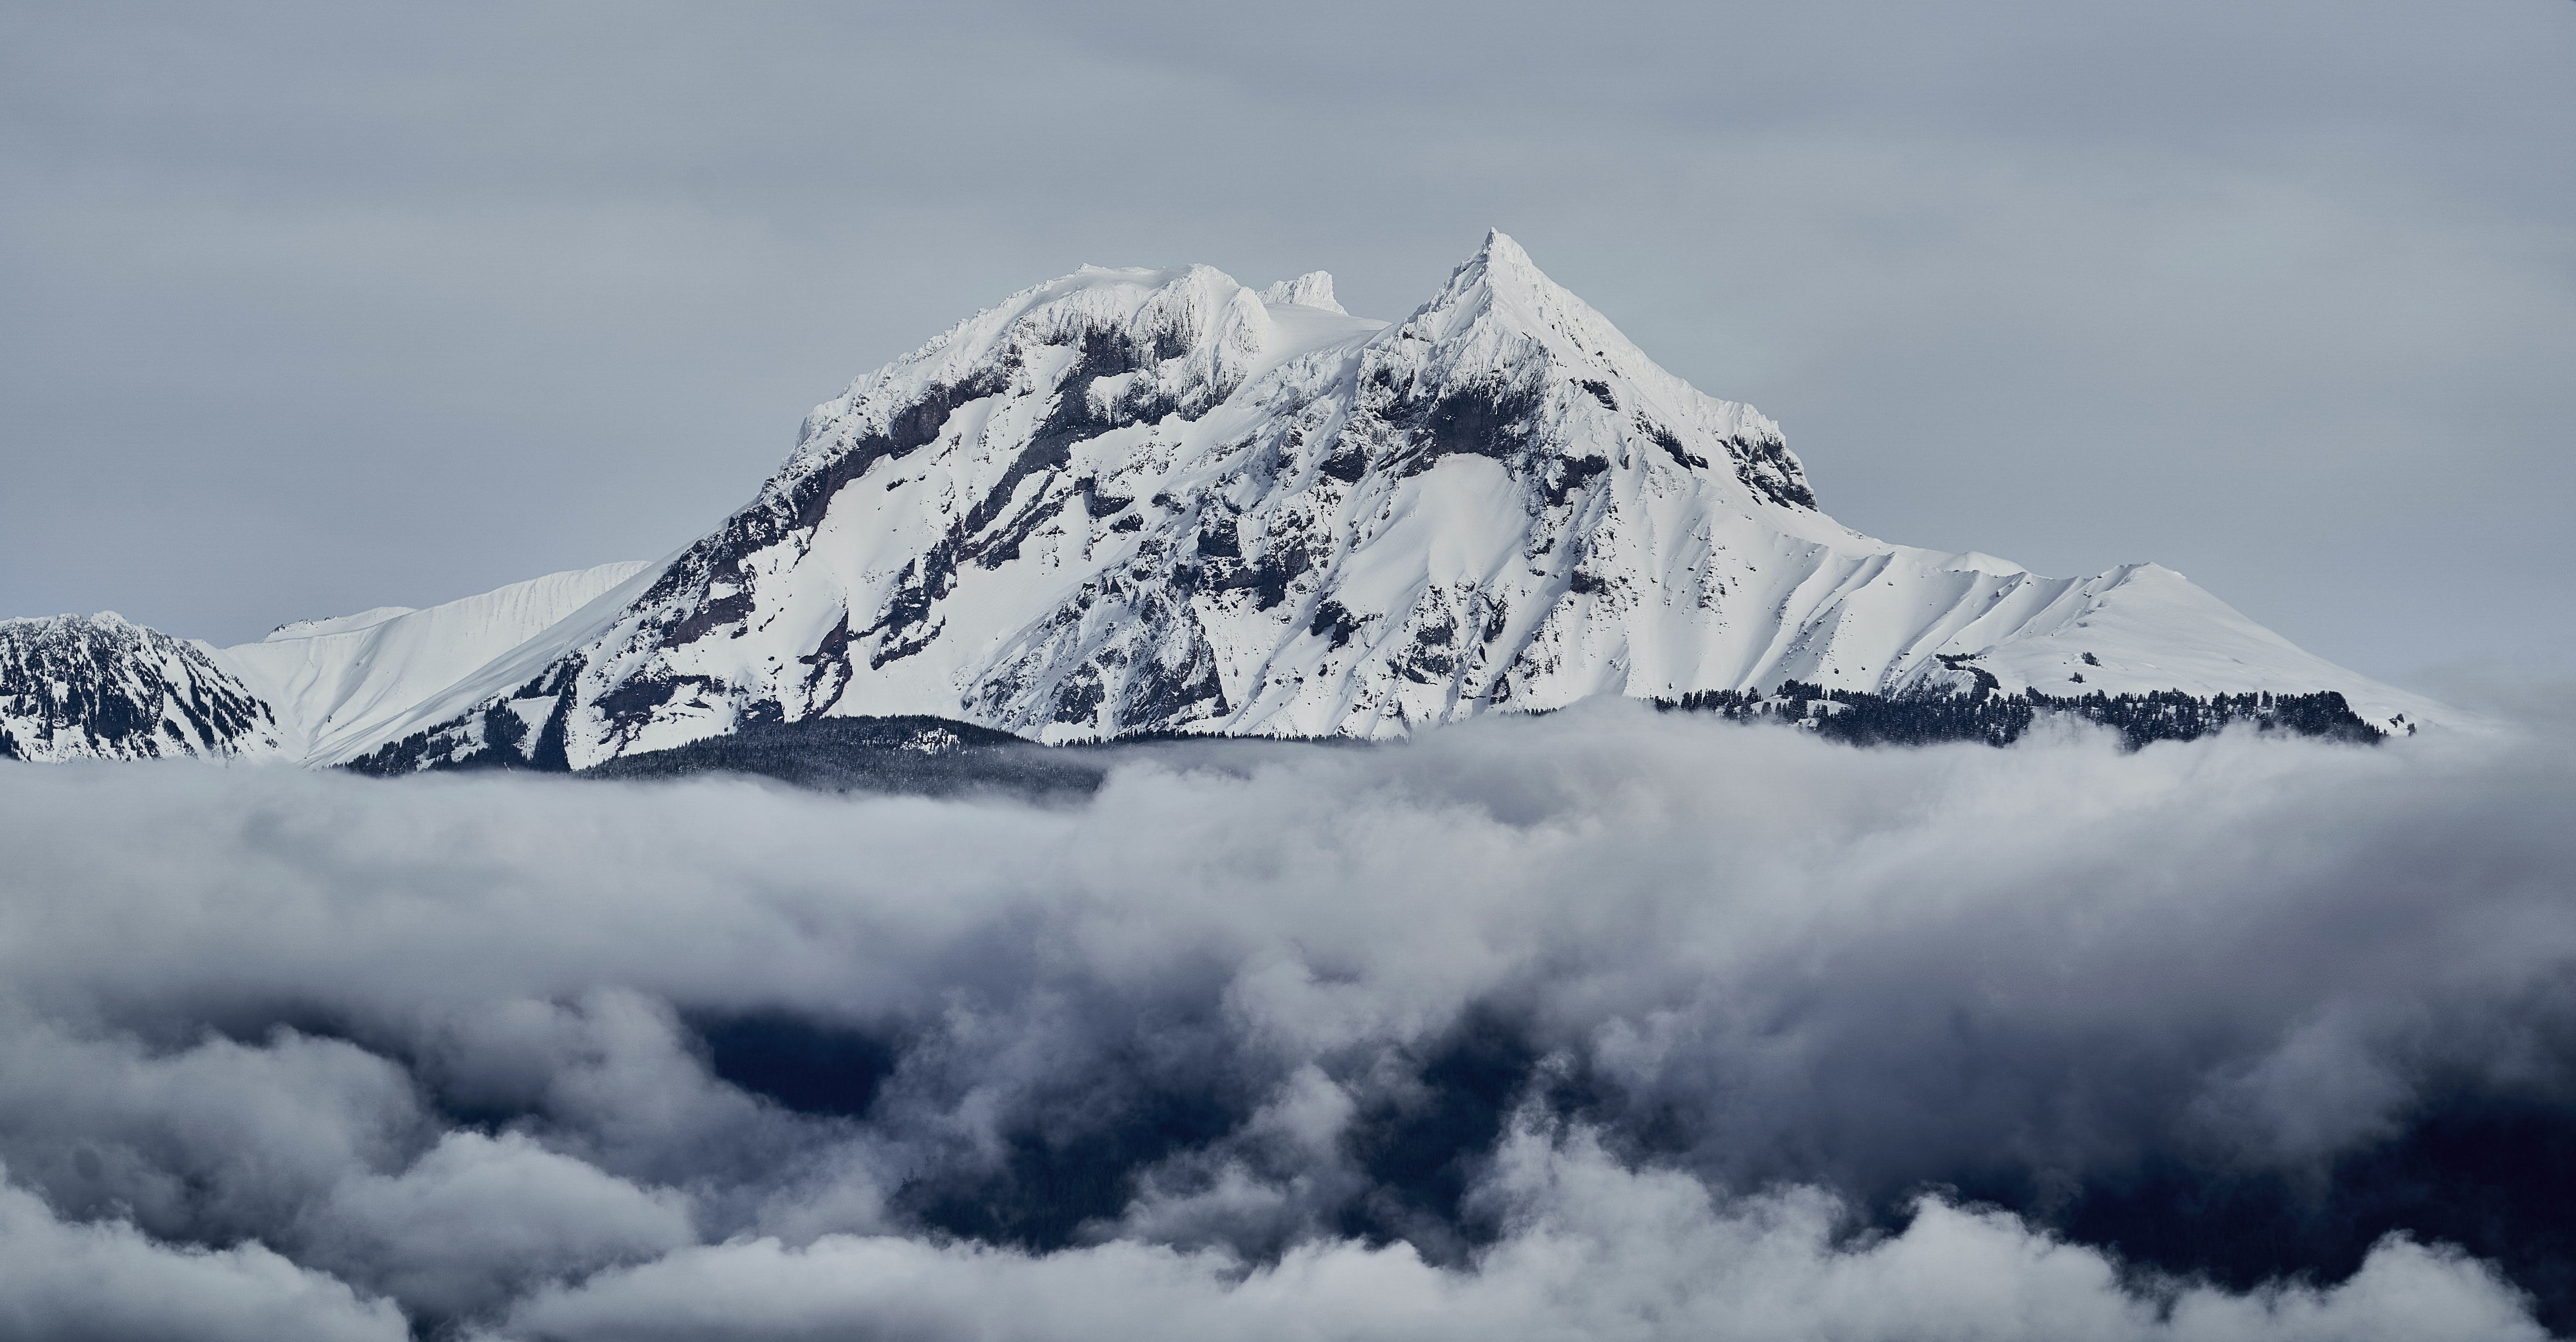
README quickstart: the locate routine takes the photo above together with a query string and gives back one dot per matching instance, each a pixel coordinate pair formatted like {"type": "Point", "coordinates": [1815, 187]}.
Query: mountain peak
{"type": "Point", "coordinates": [1499, 266]}
{"type": "Point", "coordinates": [1498, 250]}
{"type": "Point", "coordinates": [1500, 290]}
{"type": "Point", "coordinates": [1502, 267]}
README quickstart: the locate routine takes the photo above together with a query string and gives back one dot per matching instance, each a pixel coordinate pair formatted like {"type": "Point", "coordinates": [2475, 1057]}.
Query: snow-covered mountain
{"type": "Point", "coordinates": [1133, 500]}
{"type": "Point", "coordinates": [99, 687]}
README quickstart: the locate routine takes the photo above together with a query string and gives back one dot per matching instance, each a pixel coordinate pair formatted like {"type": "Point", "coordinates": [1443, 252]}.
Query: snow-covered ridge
{"type": "Point", "coordinates": [1132, 500]}
{"type": "Point", "coordinates": [337, 624]}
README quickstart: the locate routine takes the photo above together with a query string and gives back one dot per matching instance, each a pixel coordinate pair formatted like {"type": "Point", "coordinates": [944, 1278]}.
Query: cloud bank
{"type": "Point", "coordinates": [1606, 1024]}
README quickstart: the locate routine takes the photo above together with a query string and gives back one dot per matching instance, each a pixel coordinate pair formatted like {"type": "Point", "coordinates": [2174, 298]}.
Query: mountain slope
{"type": "Point", "coordinates": [1134, 500]}
{"type": "Point", "coordinates": [343, 682]}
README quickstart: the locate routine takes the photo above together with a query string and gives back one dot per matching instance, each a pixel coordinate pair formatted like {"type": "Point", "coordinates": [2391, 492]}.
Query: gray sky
{"type": "Point", "coordinates": [310, 307]}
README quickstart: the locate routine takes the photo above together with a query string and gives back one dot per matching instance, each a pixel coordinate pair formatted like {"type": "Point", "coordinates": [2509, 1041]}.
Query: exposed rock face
{"type": "Point", "coordinates": [1129, 501]}
{"type": "Point", "coordinates": [101, 687]}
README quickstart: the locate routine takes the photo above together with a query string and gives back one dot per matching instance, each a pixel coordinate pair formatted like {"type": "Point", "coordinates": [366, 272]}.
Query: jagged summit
{"type": "Point", "coordinates": [1500, 284]}
{"type": "Point", "coordinates": [1502, 332]}
{"type": "Point", "coordinates": [1132, 500]}
{"type": "Point", "coordinates": [1501, 291]}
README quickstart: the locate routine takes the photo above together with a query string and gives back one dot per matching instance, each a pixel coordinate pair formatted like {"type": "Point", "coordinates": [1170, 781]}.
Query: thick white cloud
{"type": "Point", "coordinates": [108, 1282]}
{"type": "Point", "coordinates": [1597, 1252]}
{"type": "Point", "coordinates": [478, 1217]}
{"type": "Point", "coordinates": [212, 1139]}
{"type": "Point", "coordinates": [443, 1038]}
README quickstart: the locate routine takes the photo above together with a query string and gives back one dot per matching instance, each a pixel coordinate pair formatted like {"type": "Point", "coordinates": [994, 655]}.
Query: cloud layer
{"type": "Point", "coordinates": [1604, 1024]}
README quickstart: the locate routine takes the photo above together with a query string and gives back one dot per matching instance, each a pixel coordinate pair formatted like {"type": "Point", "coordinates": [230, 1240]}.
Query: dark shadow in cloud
{"type": "Point", "coordinates": [807, 1066]}
{"type": "Point", "coordinates": [1072, 1167]}
{"type": "Point", "coordinates": [1421, 1148]}
{"type": "Point", "coordinates": [2493, 1174]}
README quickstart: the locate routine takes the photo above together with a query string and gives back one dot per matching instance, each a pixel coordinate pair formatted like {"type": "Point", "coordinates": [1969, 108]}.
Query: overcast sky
{"type": "Point", "coordinates": [309, 307]}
